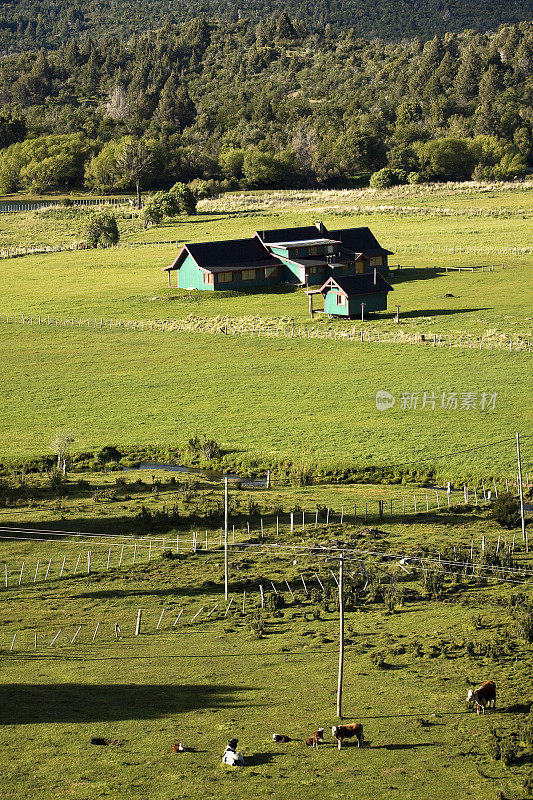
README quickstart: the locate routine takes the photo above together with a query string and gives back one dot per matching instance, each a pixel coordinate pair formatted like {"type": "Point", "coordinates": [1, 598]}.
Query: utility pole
{"type": "Point", "coordinates": [341, 637]}
{"type": "Point", "coordinates": [521, 493]}
{"type": "Point", "coordinates": [226, 537]}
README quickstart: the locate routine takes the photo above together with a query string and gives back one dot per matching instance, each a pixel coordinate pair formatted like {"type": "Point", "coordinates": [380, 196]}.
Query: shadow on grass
{"type": "Point", "coordinates": [22, 704]}
{"type": "Point", "coordinates": [519, 708]}
{"type": "Point", "coordinates": [406, 746]}
{"type": "Point", "coordinates": [256, 759]}
{"type": "Point", "coordinates": [441, 312]}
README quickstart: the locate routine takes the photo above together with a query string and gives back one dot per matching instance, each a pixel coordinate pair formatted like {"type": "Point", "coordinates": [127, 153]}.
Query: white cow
{"type": "Point", "coordinates": [232, 756]}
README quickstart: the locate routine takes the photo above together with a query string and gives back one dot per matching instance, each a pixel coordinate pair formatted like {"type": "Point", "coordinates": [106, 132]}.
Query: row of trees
{"type": "Point", "coordinates": [31, 24]}
{"type": "Point", "coordinates": [266, 104]}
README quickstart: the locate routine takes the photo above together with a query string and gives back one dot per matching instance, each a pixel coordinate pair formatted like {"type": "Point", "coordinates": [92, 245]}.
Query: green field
{"type": "Point", "coordinates": [274, 398]}
{"type": "Point", "coordinates": [407, 670]}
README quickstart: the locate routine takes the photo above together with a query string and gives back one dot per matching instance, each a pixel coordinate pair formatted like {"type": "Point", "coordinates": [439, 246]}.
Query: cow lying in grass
{"type": "Point", "coordinates": [316, 739]}
{"type": "Point", "coordinates": [231, 755]}
{"type": "Point", "coordinates": [281, 738]}
{"type": "Point", "coordinates": [341, 732]}
{"type": "Point", "coordinates": [483, 696]}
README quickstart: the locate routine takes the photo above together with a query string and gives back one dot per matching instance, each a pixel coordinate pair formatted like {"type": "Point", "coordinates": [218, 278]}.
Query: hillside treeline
{"type": "Point", "coordinates": [266, 104]}
{"type": "Point", "coordinates": [32, 24]}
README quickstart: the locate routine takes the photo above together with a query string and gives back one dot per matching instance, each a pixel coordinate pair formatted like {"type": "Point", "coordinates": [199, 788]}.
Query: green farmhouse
{"type": "Point", "coordinates": [352, 295]}
{"type": "Point", "coordinates": [304, 256]}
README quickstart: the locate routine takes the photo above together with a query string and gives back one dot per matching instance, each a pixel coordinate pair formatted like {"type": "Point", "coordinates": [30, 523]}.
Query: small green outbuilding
{"type": "Point", "coordinates": [352, 295]}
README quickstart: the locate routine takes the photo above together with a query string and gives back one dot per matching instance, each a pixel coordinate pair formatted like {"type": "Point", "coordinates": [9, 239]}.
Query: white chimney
{"type": "Point", "coordinates": [375, 276]}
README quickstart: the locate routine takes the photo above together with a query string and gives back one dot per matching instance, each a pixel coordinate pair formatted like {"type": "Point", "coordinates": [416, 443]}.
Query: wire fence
{"type": "Point", "coordinates": [228, 326]}
{"type": "Point", "coordinates": [184, 613]}
{"type": "Point", "coordinates": [109, 551]}
{"type": "Point", "coordinates": [19, 207]}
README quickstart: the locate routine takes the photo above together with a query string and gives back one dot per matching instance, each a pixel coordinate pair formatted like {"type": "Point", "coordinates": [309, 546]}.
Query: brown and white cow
{"type": "Point", "coordinates": [341, 732]}
{"type": "Point", "coordinates": [483, 696]}
{"type": "Point", "coordinates": [316, 739]}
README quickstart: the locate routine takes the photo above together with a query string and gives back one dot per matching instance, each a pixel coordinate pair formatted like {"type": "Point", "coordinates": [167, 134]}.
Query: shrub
{"type": "Point", "coordinates": [506, 510]}
{"type": "Point", "coordinates": [378, 659]}
{"type": "Point", "coordinates": [508, 749]}
{"type": "Point", "coordinates": [523, 620]}
{"type": "Point", "coordinates": [102, 229]}
{"type": "Point", "coordinates": [415, 177]}
{"type": "Point", "coordinates": [384, 178]}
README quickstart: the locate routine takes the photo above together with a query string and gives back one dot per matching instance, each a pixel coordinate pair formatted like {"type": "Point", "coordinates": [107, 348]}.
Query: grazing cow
{"type": "Point", "coordinates": [177, 747]}
{"type": "Point", "coordinates": [341, 732]}
{"type": "Point", "coordinates": [483, 696]}
{"type": "Point", "coordinates": [316, 739]}
{"type": "Point", "coordinates": [281, 737]}
{"type": "Point", "coordinates": [231, 755]}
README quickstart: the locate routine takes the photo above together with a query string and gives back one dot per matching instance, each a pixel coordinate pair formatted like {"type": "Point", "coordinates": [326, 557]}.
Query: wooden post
{"type": "Point", "coordinates": [109, 556]}
{"type": "Point", "coordinates": [74, 637]}
{"type": "Point", "coordinates": [37, 569]}
{"type": "Point", "coordinates": [320, 582]}
{"type": "Point", "coordinates": [243, 602]}
{"type": "Point", "coordinates": [121, 554]}
{"type": "Point", "coordinates": [303, 582]}
{"type": "Point", "coordinates": [21, 571]}
{"type": "Point", "coordinates": [226, 538]}
{"type": "Point", "coordinates": [521, 493]}
{"type": "Point", "coordinates": [341, 638]}
{"type": "Point", "coordinates": [327, 517]}
{"type": "Point", "coordinates": [177, 618]}
{"type": "Point", "coordinates": [149, 552]}
{"type": "Point", "coordinates": [55, 637]}
{"type": "Point", "coordinates": [95, 631]}
{"type": "Point", "coordinates": [198, 612]}
{"type": "Point", "coordinates": [289, 588]}
{"type": "Point", "coordinates": [292, 521]}
{"type": "Point", "coordinates": [47, 570]}
{"type": "Point", "coordinates": [138, 623]}
{"type": "Point", "coordinates": [88, 562]}
{"type": "Point", "coordinates": [228, 608]}
{"type": "Point", "coordinates": [262, 595]}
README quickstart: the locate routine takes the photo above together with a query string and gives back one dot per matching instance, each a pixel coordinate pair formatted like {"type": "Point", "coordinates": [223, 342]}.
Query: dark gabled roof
{"type": "Point", "coordinates": [360, 284]}
{"type": "Point", "coordinates": [304, 233]}
{"type": "Point", "coordinates": [215, 256]}
{"type": "Point", "coordinates": [360, 240]}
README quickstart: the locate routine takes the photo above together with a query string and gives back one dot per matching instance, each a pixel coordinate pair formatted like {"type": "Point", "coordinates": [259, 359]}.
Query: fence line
{"type": "Point", "coordinates": [453, 249]}
{"type": "Point", "coordinates": [19, 207]}
{"type": "Point", "coordinates": [110, 630]}
{"type": "Point", "coordinates": [128, 551]}
{"type": "Point", "coordinates": [243, 327]}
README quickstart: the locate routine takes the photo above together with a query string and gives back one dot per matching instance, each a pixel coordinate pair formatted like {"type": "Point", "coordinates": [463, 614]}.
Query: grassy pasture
{"type": "Point", "coordinates": [202, 682]}
{"type": "Point", "coordinates": [149, 388]}
{"type": "Point", "coordinates": [259, 396]}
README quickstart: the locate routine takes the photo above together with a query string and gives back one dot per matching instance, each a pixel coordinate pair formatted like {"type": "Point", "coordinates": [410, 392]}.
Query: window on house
{"type": "Point", "coordinates": [313, 251]}
{"type": "Point", "coordinates": [248, 274]}
{"type": "Point", "coordinates": [341, 300]}
{"type": "Point", "coordinates": [208, 277]}
{"type": "Point", "coordinates": [329, 248]}
{"type": "Point", "coordinates": [376, 261]}
{"type": "Point", "coordinates": [315, 270]}
{"type": "Point", "coordinates": [225, 277]}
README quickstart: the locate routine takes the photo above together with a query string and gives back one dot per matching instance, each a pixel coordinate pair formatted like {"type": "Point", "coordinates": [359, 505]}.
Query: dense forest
{"type": "Point", "coordinates": [266, 103]}
{"type": "Point", "coordinates": [32, 24]}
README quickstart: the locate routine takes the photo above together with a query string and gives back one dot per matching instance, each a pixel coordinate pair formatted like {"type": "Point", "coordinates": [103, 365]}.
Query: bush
{"type": "Point", "coordinates": [506, 510]}
{"type": "Point", "coordinates": [102, 229]}
{"type": "Point", "coordinates": [415, 177]}
{"type": "Point", "coordinates": [184, 198]}
{"type": "Point", "coordinates": [523, 620]}
{"type": "Point", "coordinates": [384, 178]}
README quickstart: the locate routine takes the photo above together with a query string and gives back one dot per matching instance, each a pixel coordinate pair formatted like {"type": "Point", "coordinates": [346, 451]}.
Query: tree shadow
{"type": "Point", "coordinates": [407, 274]}
{"type": "Point", "coordinates": [24, 704]}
